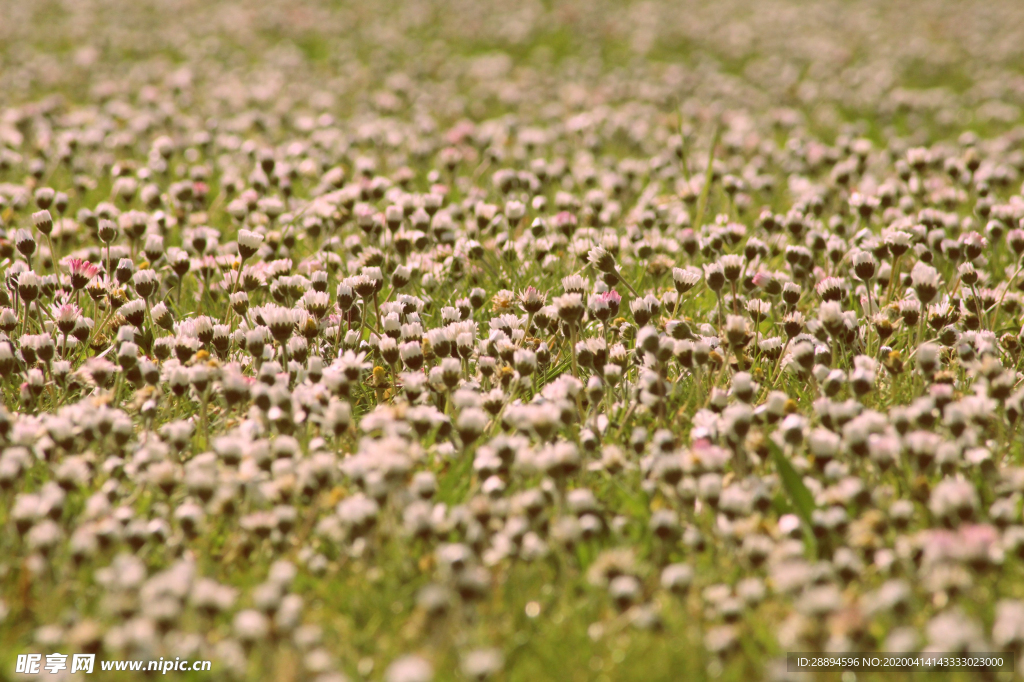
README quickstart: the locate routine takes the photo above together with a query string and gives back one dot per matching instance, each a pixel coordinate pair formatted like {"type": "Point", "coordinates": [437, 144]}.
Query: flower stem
{"type": "Point", "coordinates": [572, 349]}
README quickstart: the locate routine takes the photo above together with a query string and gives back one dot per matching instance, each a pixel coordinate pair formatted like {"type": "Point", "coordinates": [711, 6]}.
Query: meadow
{"type": "Point", "coordinates": [550, 340]}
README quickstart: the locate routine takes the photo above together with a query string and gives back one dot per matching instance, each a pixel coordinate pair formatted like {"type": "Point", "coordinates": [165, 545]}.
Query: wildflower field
{"type": "Point", "coordinates": [540, 340]}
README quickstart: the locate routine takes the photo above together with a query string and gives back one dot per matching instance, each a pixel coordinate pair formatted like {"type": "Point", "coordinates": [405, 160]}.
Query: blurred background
{"type": "Point", "coordinates": [925, 66]}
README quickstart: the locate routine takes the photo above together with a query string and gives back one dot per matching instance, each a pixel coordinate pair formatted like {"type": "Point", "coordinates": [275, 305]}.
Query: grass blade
{"type": "Point", "coordinates": [799, 496]}
{"type": "Point", "coordinates": [702, 202]}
